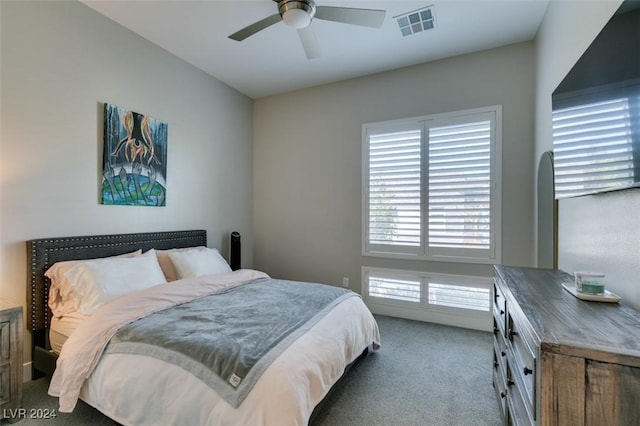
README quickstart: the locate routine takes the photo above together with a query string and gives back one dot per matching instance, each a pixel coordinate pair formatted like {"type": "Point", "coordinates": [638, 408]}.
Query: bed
{"type": "Point", "coordinates": [136, 382]}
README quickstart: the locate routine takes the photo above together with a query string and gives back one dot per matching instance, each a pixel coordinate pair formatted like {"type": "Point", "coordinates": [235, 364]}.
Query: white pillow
{"type": "Point", "coordinates": [60, 291]}
{"type": "Point", "coordinates": [198, 262]}
{"type": "Point", "coordinates": [98, 282]}
{"type": "Point", "coordinates": [167, 264]}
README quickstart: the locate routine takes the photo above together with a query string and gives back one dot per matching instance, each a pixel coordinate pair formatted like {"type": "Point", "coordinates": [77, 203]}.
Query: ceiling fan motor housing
{"type": "Point", "coordinates": [297, 13]}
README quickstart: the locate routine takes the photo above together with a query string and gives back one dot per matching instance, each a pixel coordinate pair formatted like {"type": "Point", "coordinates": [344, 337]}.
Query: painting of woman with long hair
{"type": "Point", "coordinates": [134, 158]}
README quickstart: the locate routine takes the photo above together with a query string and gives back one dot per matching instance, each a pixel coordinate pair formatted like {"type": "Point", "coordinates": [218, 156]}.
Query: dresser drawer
{"type": "Point", "coordinates": [522, 363]}
{"type": "Point", "coordinates": [516, 401]}
{"type": "Point", "coordinates": [5, 342]}
{"type": "Point", "coordinates": [499, 307]}
{"type": "Point", "coordinates": [500, 385]}
{"type": "Point", "coordinates": [10, 358]}
{"type": "Point", "coordinates": [500, 353]}
{"type": "Point", "coordinates": [5, 361]}
{"type": "Point", "coordinates": [5, 384]}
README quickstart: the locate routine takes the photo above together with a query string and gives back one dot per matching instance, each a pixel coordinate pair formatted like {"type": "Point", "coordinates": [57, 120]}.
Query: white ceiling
{"type": "Point", "coordinates": [273, 61]}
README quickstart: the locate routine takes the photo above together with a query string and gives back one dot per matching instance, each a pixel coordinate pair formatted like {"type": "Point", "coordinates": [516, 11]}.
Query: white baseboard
{"type": "Point", "coordinates": [26, 372]}
{"type": "Point", "coordinates": [472, 320]}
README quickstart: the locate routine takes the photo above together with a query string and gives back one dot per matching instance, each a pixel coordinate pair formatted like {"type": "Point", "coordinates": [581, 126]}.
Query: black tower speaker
{"type": "Point", "coordinates": [234, 251]}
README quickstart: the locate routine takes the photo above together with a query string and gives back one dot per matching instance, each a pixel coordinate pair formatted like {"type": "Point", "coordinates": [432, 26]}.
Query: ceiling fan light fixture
{"type": "Point", "coordinates": [296, 18]}
{"type": "Point", "coordinates": [297, 14]}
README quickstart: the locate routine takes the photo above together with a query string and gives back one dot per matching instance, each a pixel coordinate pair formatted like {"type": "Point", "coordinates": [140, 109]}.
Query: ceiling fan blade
{"type": "Point", "coordinates": [365, 17]}
{"type": "Point", "coordinates": [310, 42]}
{"type": "Point", "coordinates": [255, 27]}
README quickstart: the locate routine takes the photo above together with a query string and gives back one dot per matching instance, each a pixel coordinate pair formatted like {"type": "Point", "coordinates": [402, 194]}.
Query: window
{"type": "Point", "coordinates": [444, 298]}
{"type": "Point", "coordinates": [431, 187]}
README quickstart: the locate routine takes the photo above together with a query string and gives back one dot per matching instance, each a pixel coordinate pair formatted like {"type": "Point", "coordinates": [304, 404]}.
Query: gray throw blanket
{"type": "Point", "coordinates": [228, 339]}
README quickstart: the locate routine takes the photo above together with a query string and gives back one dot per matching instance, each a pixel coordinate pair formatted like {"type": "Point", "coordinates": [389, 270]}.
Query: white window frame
{"type": "Point", "coordinates": [424, 310]}
{"type": "Point", "coordinates": [423, 252]}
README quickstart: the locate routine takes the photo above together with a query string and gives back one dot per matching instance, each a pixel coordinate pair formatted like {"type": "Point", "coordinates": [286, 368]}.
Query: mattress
{"type": "Point", "coordinates": [61, 328]}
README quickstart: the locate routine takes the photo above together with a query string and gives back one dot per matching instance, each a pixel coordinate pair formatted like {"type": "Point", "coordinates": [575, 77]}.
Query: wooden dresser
{"type": "Point", "coordinates": [10, 359]}
{"type": "Point", "coordinates": [559, 360]}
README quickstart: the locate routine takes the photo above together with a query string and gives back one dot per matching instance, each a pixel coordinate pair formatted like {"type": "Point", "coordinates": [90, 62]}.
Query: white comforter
{"type": "Point", "coordinates": [137, 390]}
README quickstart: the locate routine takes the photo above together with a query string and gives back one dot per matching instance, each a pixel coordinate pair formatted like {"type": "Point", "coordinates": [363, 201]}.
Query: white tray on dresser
{"type": "Point", "coordinates": [606, 297]}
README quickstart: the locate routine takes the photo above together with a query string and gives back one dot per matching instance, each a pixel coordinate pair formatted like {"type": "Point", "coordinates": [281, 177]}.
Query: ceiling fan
{"type": "Point", "coordinates": [298, 14]}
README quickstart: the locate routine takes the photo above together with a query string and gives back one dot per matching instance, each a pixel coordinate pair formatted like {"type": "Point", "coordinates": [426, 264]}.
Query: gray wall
{"type": "Point", "coordinates": [601, 232]}
{"type": "Point", "coordinates": [308, 162]}
{"type": "Point", "coordinates": [60, 62]}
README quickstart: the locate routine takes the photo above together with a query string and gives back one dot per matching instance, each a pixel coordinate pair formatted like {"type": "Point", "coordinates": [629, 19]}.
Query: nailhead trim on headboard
{"type": "Point", "coordinates": [42, 253]}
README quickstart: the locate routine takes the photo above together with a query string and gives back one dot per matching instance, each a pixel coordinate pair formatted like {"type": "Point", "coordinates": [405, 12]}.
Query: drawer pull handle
{"type": "Point", "coordinates": [503, 353]}
{"type": "Point", "coordinates": [501, 312]}
{"type": "Point", "coordinates": [512, 333]}
{"type": "Point", "coordinates": [495, 364]}
{"type": "Point", "coordinates": [527, 371]}
{"type": "Point", "coordinates": [503, 394]}
{"type": "Point", "coordinates": [510, 383]}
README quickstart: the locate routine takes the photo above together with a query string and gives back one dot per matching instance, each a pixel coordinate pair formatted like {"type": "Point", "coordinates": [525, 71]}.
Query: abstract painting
{"type": "Point", "coordinates": [134, 159]}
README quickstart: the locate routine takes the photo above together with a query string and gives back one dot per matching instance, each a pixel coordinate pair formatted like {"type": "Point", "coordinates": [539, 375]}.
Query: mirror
{"type": "Point", "coordinates": [547, 213]}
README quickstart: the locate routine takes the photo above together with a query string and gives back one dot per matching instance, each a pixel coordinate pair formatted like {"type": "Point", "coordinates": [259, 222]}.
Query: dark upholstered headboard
{"type": "Point", "coordinates": [42, 253]}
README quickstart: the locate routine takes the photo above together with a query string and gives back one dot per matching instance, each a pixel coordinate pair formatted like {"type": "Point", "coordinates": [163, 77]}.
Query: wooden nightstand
{"type": "Point", "coordinates": [10, 360]}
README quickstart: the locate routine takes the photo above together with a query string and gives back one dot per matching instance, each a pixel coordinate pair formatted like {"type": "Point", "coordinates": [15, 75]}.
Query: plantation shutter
{"type": "Point", "coordinates": [431, 187]}
{"type": "Point", "coordinates": [394, 188]}
{"type": "Point", "coordinates": [459, 187]}
{"type": "Point", "coordinates": [579, 131]}
{"type": "Point", "coordinates": [395, 286]}
{"type": "Point", "coordinates": [428, 291]}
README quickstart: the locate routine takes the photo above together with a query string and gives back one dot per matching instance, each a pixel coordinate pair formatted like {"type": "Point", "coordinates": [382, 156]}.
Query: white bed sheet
{"type": "Point", "coordinates": [137, 390]}
{"type": "Point", "coordinates": [61, 328]}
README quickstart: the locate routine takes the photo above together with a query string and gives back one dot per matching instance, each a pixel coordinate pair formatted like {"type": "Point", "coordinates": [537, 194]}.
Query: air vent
{"type": "Point", "coordinates": [416, 21]}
